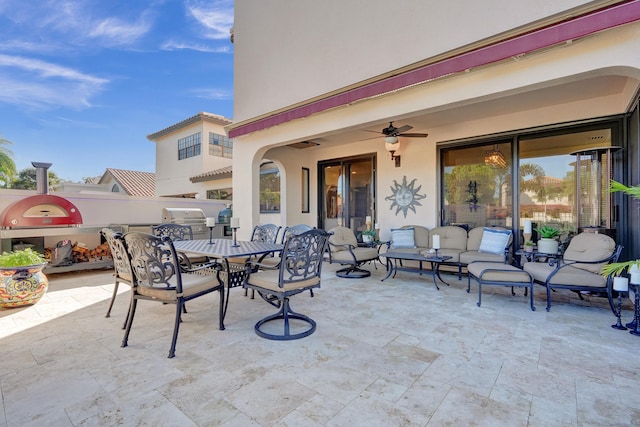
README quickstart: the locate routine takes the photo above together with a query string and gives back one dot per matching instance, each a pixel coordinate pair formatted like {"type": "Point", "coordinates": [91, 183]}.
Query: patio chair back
{"type": "Point", "coordinates": [267, 233]}
{"type": "Point", "coordinates": [121, 266]}
{"type": "Point", "coordinates": [173, 231]}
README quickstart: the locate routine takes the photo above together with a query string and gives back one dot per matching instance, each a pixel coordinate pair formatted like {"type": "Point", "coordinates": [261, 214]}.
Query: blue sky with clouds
{"type": "Point", "coordinates": [82, 83]}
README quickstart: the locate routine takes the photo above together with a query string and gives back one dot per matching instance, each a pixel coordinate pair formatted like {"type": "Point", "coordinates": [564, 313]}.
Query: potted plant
{"type": "Point", "coordinates": [368, 236]}
{"type": "Point", "coordinates": [548, 242]}
{"type": "Point", "coordinates": [528, 246]}
{"type": "Point", "coordinates": [22, 281]}
{"type": "Point", "coordinates": [619, 268]}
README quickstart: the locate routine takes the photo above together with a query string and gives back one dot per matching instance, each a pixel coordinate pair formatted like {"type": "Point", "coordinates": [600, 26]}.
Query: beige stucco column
{"type": "Point", "coordinates": [247, 156]}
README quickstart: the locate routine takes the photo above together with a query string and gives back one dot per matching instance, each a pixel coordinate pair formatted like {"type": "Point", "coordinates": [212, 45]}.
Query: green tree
{"type": "Point", "coordinates": [7, 165]}
{"type": "Point", "coordinates": [26, 179]}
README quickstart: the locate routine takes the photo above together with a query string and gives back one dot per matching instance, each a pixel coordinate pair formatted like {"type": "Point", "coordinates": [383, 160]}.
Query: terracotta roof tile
{"type": "Point", "coordinates": [221, 173]}
{"type": "Point", "coordinates": [135, 183]}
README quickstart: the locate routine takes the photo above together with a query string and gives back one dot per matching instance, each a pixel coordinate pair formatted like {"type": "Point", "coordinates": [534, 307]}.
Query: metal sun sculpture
{"type": "Point", "coordinates": [405, 196]}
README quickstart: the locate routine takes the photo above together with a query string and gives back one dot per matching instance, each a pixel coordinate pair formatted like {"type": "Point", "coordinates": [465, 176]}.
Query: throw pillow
{"type": "Point", "coordinates": [494, 241]}
{"type": "Point", "coordinates": [402, 238]}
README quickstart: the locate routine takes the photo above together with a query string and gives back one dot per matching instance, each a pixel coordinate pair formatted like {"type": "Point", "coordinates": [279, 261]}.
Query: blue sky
{"type": "Point", "coordinates": [82, 83]}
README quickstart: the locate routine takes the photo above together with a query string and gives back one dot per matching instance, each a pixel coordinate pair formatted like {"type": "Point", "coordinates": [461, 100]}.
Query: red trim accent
{"type": "Point", "coordinates": [13, 215]}
{"type": "Point", "coordinates": [578, 27]}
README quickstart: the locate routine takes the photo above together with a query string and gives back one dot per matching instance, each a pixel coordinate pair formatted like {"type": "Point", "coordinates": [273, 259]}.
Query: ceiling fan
{"type": "Point", "coordinates": [391, 133]}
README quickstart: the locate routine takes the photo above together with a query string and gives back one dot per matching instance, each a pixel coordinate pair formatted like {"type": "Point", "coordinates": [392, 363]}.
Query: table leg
{"type": "Point", "coordinates": [390, 269]}
{"type": "Point", "coordinates": [437, 269]}
{"type": "Point", "coordinates": [435, 273]}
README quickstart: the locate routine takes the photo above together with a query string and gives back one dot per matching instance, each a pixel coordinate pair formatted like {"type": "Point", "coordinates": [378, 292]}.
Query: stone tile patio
{"type": "Point", "coordinates": [393, 353]}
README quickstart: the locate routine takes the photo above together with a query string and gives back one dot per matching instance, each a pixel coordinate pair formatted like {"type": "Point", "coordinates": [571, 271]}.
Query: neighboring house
{"type": "Point", "coordinates": [132, 183]}
{"type": "Point", "coordinates": [496, 88]}
{"type": "Point", "coordinates": [193, 158]}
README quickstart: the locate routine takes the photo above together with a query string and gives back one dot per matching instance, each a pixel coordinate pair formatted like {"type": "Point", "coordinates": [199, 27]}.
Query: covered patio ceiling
{"type": "Point", "coordinates": [594, 87]}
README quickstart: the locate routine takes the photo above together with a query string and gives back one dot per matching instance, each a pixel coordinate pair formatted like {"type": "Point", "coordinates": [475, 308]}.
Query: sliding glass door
{"type": "Point", "coordinates": [347, 192]}
{"type": "Point", "coordinates": [562, 180]}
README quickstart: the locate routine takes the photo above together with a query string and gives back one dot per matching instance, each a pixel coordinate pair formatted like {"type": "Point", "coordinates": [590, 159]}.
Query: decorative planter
{"type": "Point", "coordinates": [21, 286]}
{"type": "Point", "coordinates": [528, 248]}
{"type": "Point", "coordinates": [367, 238]}
{"type": "Point", "coordinates": [548, 246]}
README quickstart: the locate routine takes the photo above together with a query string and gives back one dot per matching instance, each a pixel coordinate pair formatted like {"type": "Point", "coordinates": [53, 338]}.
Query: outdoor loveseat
{"type": "Point", "coordinates": [479, 244]}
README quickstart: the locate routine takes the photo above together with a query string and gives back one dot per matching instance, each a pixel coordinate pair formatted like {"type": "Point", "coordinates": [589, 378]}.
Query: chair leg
{"type": "Point", "coordinates": [113, 298]}
{"type": "Point", "coordinates": [285, 314]}
{"type": "Point", "coordinates": [176, 328]}
{"type": "Point", "coordinates": [222, 310]}
{"type": "Point", "coordinates": [548, 297]}
{"type": "Point", "coordinates": [126, 320]}
{"type": "Point", "coordinates": [132, 312]}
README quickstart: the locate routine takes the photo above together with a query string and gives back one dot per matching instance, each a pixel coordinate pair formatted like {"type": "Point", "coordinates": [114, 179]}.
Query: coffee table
{"type": "Point", "coordinates": [394, 264]}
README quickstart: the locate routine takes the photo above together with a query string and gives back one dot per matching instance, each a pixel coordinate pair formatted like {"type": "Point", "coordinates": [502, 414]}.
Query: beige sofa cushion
{"type": "Point", "coordinates": [451, 237]}
{"type": "Point", "coordinates": [420, 235]}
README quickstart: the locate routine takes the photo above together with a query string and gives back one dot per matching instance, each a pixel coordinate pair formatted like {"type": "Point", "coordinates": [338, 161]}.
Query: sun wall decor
{"type": "Point", "coordinates": [405, 196]}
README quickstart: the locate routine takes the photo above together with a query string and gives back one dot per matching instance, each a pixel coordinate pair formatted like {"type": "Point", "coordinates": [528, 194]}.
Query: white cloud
{"type": "Point", "coordinates": [114, 31]}
{"type": "Point", "coordinates": [41, 84]}
{"type": "Point", "coordinates": [216, 17]}
{"type": "Point", "coordinates": [213, 93]}
{"type": "Point", "coordinates": [175, 45]}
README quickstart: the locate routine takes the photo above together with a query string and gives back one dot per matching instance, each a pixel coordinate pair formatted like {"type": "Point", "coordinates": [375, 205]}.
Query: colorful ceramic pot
{"type": "Point", "coordinates": [21, 286]}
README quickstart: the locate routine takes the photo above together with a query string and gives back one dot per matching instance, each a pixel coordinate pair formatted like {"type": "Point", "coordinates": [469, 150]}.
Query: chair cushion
{"type": "Point", "coordinates": [192, 283]}
{"type": "Point", "coordinates": [590, 247]}
{"type": "Point", "coordinates": [268, 280]}
{"type": "Point", "coordinates": [361, 254]}
{"type": "Point", "coordinates": [402, 238]}
{"type": "Point", "coordinates": [507, 273]}
{"type": "Point", "coordinates": [494, 241]}
{"type": "Point", "coordinates": [568, 275]}
{"type": "Point", "coordinates": [342, 236]}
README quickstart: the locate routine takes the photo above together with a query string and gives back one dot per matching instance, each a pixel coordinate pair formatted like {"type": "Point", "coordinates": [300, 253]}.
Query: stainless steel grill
{"type": "Point", "coordinates": [193, 217]}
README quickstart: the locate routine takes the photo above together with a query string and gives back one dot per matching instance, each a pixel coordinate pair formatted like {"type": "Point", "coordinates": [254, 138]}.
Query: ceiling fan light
{"type": "Point", "coordinates": [391, 139]}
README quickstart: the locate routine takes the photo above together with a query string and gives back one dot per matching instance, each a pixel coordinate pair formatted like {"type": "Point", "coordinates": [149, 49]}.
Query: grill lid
{"type": "Point", "coordinates": [182, 215]}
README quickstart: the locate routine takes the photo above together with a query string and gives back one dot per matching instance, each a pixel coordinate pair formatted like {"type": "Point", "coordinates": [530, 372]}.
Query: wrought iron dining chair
{"type": "Point", "coordinates": [180, 232]}
{"type": "Point", "coordinates": [159, 277]}
{"type": "Point", "coordinates": [299, 271]}
{"type": "Point", "coordinates": [121, 266]}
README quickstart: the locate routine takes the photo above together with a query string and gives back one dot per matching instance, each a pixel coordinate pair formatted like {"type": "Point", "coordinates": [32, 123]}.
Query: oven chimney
{"type": "Point", "coordinates": [42, 177]}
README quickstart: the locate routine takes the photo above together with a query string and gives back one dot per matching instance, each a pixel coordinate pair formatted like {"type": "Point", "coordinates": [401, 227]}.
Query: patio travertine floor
{"type": "Point", "coordinates": [388, 353]}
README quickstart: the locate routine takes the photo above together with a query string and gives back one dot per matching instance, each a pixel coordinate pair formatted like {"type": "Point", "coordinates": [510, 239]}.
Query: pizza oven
{"type": "Point", "coordinates": [43, 209]}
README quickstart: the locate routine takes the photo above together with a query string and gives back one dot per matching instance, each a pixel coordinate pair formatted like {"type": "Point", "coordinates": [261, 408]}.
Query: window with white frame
{"type": "Point", "coordinates": [189, 146]}
{"type": "Point", "coordinates": [220, 145]}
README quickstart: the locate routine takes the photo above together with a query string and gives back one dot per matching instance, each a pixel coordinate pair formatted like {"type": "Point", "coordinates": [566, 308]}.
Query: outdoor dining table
{"type": "Point", "coordinates": [223, 250]}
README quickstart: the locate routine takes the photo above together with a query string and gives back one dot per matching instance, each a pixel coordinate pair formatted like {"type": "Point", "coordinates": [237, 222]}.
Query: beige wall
{"type": "Point", "coordinates": [287, 51]}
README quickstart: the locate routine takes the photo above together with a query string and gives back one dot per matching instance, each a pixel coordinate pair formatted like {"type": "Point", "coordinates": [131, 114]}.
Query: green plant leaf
{"type": "Point", "coordinates": [21, 258]}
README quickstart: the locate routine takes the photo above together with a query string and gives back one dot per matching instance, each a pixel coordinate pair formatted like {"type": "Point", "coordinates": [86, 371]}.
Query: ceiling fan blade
{"type": "Point", "coordinates": [415, 135]}
{"type": "Point", "coordinates": [373, 131]}
{"type": "Point", "coordinates": [402, 129]}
